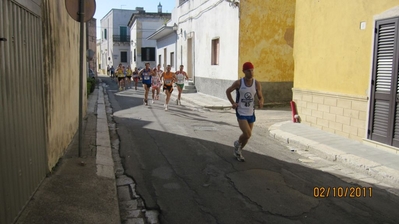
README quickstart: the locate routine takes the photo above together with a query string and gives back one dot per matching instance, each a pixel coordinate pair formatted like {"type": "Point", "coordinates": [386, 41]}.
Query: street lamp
{"type": "Point", "coordinates": [175, 28]}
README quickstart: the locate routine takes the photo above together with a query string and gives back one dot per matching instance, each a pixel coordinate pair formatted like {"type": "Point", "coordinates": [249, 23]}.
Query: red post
{"type": "Point", "coordinates": [295, 117]}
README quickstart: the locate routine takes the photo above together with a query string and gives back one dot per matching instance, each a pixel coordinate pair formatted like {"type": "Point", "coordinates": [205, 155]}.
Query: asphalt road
{"type": "Point", "coordinates": [183, 165]}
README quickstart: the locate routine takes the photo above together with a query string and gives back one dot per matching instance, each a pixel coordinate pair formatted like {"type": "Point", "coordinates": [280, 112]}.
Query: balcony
{"type": "Point", "coordinates": [121, 38]}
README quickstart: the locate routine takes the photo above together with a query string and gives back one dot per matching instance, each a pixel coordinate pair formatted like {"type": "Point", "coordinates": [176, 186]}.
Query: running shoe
{"type": "Point", "coordinates": [240, 158]}
{"type": "Point", "coordinates": [236, 148]}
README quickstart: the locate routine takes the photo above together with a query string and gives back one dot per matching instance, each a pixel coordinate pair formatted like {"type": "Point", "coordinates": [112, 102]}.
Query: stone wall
{"type": "Point", "coordinates": [341, 114]}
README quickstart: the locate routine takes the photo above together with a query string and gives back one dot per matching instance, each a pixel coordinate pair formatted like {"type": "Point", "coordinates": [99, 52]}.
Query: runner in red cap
{"type": "Point", "coordinates": [244, 105]}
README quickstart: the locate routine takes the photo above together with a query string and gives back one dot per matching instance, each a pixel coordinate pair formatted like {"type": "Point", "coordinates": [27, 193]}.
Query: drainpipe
{"type": "Point", "coordinates": [193, 55]}
{"type": "Point", "coordinates": [176, 50]}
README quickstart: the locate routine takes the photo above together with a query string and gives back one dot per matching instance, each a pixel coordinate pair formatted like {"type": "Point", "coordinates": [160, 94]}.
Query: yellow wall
{"type": "Point", "coordinates": [331, 52]}
{"type": "Point", "coordinates": [61, 71]}
{"type": "Point", "coordinates": [266, 38]}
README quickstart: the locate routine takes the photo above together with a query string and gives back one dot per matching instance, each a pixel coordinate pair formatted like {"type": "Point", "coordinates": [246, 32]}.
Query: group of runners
{"type": "Point", "coordinates": [153, 79]}
{"type": "Point", "coordinates": [246, 88]}
{"type": "Point", "coordinates": [124, 75]}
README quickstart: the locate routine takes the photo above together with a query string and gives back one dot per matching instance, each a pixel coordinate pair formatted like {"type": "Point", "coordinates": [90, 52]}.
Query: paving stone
{"type": "Point", "coordinates": [152, 216]}
{"type": "Point", "coordinates": [134, 221]}
{"type": "Point", "coordinates": [124, 193]}
{"type": "Point", "coordinates": [123, 180]}
{"type": "Point", "coordinates": [128, 205]}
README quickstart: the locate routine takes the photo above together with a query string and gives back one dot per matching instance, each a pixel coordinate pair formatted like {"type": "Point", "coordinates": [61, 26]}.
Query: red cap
{"type": "Point", "coordinates": [247, 65]}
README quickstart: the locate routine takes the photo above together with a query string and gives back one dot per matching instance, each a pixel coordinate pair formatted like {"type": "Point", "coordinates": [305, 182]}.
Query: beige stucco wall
{"type": "Point", "coordinates": [61, 71]}
{"type": "Point", "coordinates": [333, 62]}
{"type": "Point", "coordinates": [331, 52]}
{"type": "Point", "coordinates": [266, 39]}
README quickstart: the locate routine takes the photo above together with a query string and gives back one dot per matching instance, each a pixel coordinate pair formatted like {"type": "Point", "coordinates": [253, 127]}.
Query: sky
{"type": "Point", "coordinates": [104, 6]}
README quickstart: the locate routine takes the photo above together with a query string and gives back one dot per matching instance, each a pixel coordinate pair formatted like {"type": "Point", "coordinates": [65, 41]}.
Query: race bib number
{"type": "Point", "coordinates": [146, 77]}
{"type": "Point", "coordinates": [168, 81]}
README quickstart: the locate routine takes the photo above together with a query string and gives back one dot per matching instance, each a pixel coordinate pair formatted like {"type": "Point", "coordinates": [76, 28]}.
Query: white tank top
{"type": "Point", "coordinates": [180, 78]}
{"type": "Point", "coordinates": [246, 98]}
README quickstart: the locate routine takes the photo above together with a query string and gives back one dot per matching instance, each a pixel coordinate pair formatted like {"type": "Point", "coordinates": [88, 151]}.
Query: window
{"type": "Point", "coordinates": [148, 54]}
{"type": "Point", "coordinates": [105, 33]}
{"type": "Point", "coordinates": [215, 52]}
{"type": "Point", "coordinates": [134, 55]}
{"type": "Point", "coordinates": [124, 56]}
{"type": "Point", "coordinates": [172, 59]}
{"type": "Point", "coordinates": [123, 33]}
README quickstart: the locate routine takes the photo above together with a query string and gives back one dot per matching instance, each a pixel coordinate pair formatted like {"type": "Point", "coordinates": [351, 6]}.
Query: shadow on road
{"type": "Point", "coordinates": [198, 180]}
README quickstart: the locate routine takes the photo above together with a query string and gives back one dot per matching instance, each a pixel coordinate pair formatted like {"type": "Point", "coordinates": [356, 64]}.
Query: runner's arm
{"type": "Point", "coordinates": [233, 87]}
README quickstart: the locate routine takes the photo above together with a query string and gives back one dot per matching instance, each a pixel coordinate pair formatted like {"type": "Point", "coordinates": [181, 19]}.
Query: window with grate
{"type": "Point", "coordinates": [148, 54]}
{"type": "Point", "coordinates": [124, 56]}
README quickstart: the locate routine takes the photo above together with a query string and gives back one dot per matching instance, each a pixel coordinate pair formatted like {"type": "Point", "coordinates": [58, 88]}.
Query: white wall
{"type": "Point", "coordinates": [142, 28]}
{"type": "Point", "coordinates": [133, 37]}
{"type": "Point", "coordinates": [167, 42]}
{"type": "Point", "coordinates": [212, 19]}
{"type": "Point", "coordinates": [202, 21]}
{"type": "Point", "coordinates": [106, 44]}
{"type": "Point", "coordinates": [112, 22]}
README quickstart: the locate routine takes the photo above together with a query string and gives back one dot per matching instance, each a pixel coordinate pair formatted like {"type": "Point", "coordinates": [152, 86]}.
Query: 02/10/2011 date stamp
{"type": "Point", "coordinates": [343, 192]}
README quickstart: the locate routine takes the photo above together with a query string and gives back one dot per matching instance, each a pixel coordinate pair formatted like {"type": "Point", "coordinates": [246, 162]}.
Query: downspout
{"type": "Point", "coordinates": [193, 54]}
{"type": "Point", "coordinates": [176, 50]}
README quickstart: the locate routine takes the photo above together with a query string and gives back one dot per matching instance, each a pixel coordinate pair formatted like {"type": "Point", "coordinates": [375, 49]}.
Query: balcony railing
{"type": "Point", "coordinates": [121, 38]}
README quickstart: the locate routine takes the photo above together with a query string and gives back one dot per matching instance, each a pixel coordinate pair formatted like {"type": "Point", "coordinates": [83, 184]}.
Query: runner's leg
{"type": "Point", "coordinates": [153, 93]}
{"type": "Point", "coordinates": [146, 93]}
{"type": "Point", "coordinates": [246, 129]}
{"type": "Point", "coordinates": [180, 90]}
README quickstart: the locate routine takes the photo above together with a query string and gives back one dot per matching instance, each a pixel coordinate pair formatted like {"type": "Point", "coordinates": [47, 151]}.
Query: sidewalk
{"type": "Point", "coordinates": [381, 164]}
{"type": "Point", "coordinates": [80, 189]}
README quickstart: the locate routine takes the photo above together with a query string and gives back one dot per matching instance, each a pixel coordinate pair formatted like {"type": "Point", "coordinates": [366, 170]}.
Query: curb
{"type": "Point", "coordinates": [132, 208]}
{"type": "Point", "coordinates": [373, 169]}
{"type": "Point", "coordinates": [104, 160]}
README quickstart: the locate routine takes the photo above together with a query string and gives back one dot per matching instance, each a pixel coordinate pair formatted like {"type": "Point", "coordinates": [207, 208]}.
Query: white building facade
{"type": "Point", "coordinates": [115, 38]}
{"type": "Point", "coordinates": [166, 46]}
{"type": "Point", "coordinates": [205, 40]}
{"type": "Point", "coordinates": [142, 25]}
